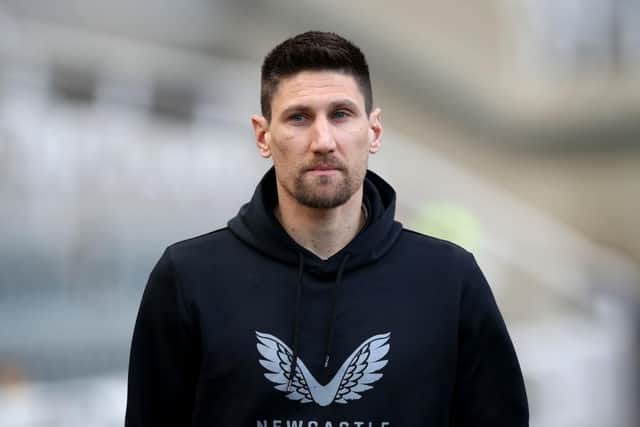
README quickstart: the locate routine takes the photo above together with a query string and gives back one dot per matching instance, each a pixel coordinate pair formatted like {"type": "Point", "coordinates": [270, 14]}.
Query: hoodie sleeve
{"type": "Point", "coordinates": [164, 360]}
{"type": "Point", "coordinates": [489, 387]}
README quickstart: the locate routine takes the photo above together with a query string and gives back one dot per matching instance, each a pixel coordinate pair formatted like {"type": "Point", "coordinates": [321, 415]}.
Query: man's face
{"type": "Point", "coordinates": [319, 137]}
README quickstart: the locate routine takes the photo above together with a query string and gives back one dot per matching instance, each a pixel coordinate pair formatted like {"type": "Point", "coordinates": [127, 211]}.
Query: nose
{"type": "Point", "coordinates": [322, 140]}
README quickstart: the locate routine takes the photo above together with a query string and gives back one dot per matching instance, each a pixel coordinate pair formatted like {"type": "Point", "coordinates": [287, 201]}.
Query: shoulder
{"type": "Point", "coordinates": [458, 265]}
{"type": "Point", "coordinates": [203, 240]}
{"type": "Point", "coordinates": [425, 256]}
{"type": "Point", "coordinates": [433, 247]}
{"type": "Point", "coordinates": [215, 242]}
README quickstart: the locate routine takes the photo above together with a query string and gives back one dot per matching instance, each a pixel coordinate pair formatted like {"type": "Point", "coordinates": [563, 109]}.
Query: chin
{"type": "Point", "coordinates": [324, 200]}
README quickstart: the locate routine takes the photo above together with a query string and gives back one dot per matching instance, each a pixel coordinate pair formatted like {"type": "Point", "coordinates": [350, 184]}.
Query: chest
{"type": "Point", "coordinates": [412, 321]}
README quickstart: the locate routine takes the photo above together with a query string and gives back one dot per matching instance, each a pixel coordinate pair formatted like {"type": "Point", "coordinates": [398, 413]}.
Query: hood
{"type": "Point", "coordinates": [257, 226]}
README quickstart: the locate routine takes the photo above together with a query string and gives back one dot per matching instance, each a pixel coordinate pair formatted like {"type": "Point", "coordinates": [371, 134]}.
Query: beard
{"type": "Point", "coordinates": [308, 194]}
{"type": "Point", "coordinates": [326, 192]}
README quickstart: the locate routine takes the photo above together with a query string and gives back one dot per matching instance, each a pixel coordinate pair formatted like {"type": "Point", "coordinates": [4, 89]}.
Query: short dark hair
{"type": "Point", "coordinates": [313, 51]}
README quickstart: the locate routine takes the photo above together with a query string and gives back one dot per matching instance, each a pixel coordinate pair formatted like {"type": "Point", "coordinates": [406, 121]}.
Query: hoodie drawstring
{"type": "Point", "coordinates": [296, 320]}
{"type": "Point", "coordinates": [332, 315]}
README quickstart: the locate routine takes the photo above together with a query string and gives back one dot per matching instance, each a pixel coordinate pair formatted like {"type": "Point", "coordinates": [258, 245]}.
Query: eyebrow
{"type": "Point", "coordinates": [340, 103]}
{"type": "Point", "coordinates": [344, 103]}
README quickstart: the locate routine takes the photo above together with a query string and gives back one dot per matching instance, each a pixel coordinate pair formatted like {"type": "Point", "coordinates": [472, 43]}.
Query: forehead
{"type": "Point", "coordinates": [315, 89]}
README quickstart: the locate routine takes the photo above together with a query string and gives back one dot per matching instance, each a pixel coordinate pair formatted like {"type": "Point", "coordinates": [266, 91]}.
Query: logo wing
{"type": "Point", "coordinates": [361, 368]}
{"type": "Point", "coordinates": [277, 360]}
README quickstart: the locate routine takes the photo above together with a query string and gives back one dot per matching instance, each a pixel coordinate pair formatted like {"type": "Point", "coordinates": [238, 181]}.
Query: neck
{"type": "Point", "coordinates": [323, 232]}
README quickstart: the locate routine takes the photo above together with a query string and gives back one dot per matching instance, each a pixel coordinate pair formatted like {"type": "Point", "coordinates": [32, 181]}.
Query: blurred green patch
{"type": "Point", "coordinates": [451, 222]}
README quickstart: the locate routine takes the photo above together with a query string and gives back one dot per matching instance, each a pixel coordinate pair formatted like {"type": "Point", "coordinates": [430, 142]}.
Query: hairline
{"type": "Point", "coordinates": [360, 81]}
{"type": "Point", "coordinates": [343, 101]}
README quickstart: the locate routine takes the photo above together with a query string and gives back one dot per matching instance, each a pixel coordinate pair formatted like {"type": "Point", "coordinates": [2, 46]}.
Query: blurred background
{"type": "Point", "coordinates": [512, 127]}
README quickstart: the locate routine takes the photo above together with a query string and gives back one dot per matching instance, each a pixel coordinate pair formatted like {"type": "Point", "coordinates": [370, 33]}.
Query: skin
{"type": "Point", "coordinates": [319, 138]}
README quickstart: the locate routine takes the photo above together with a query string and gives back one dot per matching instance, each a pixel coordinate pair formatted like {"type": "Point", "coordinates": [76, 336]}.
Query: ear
{"type": "Point", "coordinates": [375, 131]}
{"type": "Point", "coordinates": [261, 132]}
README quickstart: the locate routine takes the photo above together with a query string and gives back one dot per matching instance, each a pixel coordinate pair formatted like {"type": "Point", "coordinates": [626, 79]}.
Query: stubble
{"type": "Point", "coordinates": [326, 192]}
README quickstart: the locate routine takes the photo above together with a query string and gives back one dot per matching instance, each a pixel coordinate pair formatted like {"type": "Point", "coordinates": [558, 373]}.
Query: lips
{"type": "Point", "coordinates": [324, 166]}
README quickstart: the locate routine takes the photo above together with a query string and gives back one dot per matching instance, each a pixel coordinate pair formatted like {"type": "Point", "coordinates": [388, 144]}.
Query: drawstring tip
{"type": "Point", "coordinates": [326, 361]}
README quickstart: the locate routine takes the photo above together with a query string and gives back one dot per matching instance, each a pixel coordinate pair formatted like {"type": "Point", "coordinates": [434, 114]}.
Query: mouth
{"type": "Point", "coordinates": [323, 170]}
{"type": "Point", "coordinates": [324, 167]}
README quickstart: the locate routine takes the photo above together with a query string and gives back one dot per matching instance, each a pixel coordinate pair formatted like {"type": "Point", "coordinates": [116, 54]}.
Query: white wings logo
{"type": "Point", "coordinates": [353, 377]}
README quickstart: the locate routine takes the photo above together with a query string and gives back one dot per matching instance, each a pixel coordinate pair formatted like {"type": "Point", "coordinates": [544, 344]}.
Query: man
{"type": "Point", "coordinates": [314, 307]}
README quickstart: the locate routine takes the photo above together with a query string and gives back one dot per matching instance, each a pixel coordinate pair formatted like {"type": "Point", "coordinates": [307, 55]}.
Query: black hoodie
{"type": "Point", "coordinates": [396, 329]}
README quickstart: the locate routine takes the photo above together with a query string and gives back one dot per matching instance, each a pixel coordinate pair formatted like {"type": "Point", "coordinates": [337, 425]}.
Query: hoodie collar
{"type": "Point", "coordinates": [256, 225]}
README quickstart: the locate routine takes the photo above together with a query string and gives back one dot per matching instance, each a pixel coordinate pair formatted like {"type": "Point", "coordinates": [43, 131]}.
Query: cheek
{"type": "Point", "coordinates": [355, 128]}
{"type": "Point", "coordinates": [354, 141]}
{"type": "Point", "coordinates": [287, 152]}
{"type": "Point", "coordinates": [354, 131]}
{"type": "Point", "coordinates": [280, 145]}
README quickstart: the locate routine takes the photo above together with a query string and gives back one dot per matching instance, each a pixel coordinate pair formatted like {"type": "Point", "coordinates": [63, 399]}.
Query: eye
{"type": "Point", "coordinates": [340, 114]}
{"type": "Point", "coordinates": [296, 118]}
